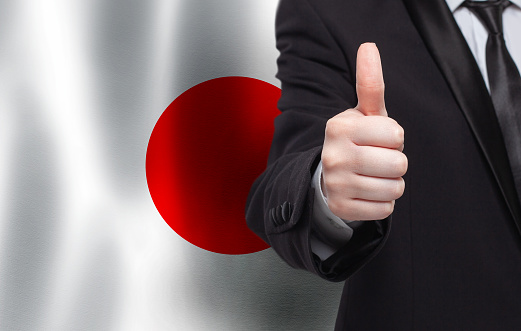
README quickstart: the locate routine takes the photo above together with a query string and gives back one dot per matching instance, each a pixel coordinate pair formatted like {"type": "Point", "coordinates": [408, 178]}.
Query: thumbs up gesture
{"type": "Point", "coordinates": [362, 159]}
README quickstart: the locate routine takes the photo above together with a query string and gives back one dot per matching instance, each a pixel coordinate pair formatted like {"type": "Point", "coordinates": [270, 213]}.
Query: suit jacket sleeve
{"type": "Point", "coordinates": [317, 83]}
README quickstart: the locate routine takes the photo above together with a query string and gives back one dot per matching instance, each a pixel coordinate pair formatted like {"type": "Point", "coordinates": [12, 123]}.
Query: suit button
{"type": "Point", "coordinates": [273, 216]}
{"type": "Point", "coordinates": [281, 214]}
{"type": "Point", "coordinates": [286, 211]}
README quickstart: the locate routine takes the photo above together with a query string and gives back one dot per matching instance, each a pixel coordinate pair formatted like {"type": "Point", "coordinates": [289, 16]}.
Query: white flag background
{"type": "Point", "coordinates": [82, 247]}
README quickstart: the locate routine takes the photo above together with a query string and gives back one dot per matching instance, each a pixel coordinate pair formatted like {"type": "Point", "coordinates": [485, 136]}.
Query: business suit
{"type": "Point", "coordinates": [453, 257]}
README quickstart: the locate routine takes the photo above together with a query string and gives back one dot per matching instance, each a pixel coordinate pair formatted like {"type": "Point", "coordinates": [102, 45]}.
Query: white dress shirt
{"type": "Point", "coordinates": [331, 231]}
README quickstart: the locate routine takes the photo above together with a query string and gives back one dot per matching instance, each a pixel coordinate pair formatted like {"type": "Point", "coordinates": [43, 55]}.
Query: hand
{"type": "Point", "coordinates": [362, 159]}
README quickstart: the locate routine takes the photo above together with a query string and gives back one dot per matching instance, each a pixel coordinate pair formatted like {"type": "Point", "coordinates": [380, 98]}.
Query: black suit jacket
{"type": "Point", "coordinates": [452, 259]}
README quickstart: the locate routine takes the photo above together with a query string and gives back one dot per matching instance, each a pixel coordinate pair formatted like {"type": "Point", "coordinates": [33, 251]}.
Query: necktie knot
{"type": "Point", "coordinates": [490, 13]}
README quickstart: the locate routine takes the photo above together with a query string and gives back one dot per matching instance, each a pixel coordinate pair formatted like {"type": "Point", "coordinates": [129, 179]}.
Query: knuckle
{"type": "Point", "coordinates": [333, 162]}
{"type": "Point", "coordinates": [399, 188]}
{"type": "Point", "coordinates": [334, 127]}
{"type": "Point", "coordinates": [328, 158]}
{"type": "Point", "coordinates": [399, 134]}
{"type": "Point", "coordinates": [391, 121]}
{"type": "Point", "coordinates": [401, 164]}
{"type": "Point", "coordinates": [387, 209]}
{"type": "Point", "coordinates": [344, 126]}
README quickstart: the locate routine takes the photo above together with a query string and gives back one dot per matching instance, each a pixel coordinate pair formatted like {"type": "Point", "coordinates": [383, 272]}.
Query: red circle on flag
{"type": "Point", "coordinates": [204, 153]}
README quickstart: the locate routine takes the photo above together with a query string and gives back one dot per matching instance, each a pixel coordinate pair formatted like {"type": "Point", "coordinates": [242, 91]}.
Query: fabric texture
{"type": "Point", "coordinates": [454, 242]}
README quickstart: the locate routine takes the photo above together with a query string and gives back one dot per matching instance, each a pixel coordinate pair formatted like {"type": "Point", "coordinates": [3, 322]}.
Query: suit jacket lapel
{"type": "Point", "coordinates": [448, 47]}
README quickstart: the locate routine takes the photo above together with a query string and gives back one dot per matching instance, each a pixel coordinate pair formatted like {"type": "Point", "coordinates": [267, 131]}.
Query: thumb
{"type": "Point", "coordinates": [370, 81]}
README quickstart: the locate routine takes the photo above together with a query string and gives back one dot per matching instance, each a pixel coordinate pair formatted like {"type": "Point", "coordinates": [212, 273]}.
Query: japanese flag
{"type": "Point", "coordinates": [83, 83]}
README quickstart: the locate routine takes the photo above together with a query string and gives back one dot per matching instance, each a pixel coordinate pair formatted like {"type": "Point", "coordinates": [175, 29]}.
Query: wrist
{"type": "Point", "coordinates": [329, 227]}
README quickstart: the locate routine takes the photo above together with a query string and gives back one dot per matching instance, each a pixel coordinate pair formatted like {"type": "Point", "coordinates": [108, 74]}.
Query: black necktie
{"type": "Point", "coordinates": [504, 80]}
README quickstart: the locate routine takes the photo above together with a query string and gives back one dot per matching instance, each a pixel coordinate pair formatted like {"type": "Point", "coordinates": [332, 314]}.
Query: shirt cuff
{"type": "Point", "coordinates": [330, 232]}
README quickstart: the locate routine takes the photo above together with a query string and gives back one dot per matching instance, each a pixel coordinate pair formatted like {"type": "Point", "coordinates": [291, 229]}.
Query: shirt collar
{"type": "Point", "coordinates": [454, 4]}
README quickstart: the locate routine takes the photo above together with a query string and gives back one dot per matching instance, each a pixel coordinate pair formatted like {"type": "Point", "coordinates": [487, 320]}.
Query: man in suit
{"type": "Point", "coordinates": [453, 257]}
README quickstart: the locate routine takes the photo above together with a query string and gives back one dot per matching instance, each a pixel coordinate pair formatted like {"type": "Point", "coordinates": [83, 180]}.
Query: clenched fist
{"type": "Point", "coordinates": [362, 159]}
